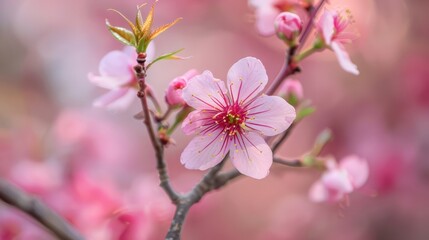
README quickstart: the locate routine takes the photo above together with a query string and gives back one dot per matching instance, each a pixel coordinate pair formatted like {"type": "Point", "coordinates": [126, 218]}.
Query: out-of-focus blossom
{"type": "Point", "coordinates": [173, 94]}
{"type": "Point", "coordinates": [292, 91]}
{"type": "Point", "coordinates": [234, 122]}
{"type": "Point", "coordinates": [339, 180]}
{"type": "Point", "coordinates": [332, 26]}
{"type": "Point", "coordinates": [36, 177]}
{"type": "Point", "coordinates": [117, 75]}
{"type": "Point", "coordinates": [266, 12]}
{"type": "Point", "coordinates": [288, 26]}
{"type": "Point", "coordinates": [15, 225]}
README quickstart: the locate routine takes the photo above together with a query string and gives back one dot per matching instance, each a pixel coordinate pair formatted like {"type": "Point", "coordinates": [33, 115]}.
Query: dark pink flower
{"type": "Point", "coordinates": [233, 118]}
{"type": "Point", "coordinates": [288, 25]}
{"type": "Point", "coordinates": [173, 94]}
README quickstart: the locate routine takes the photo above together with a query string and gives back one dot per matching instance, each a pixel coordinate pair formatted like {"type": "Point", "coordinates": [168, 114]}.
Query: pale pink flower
{"type": "Point", "coordinates": [288, 25]}
{"type": "Point", "coordinates": [173, 94]}
{"type": "Point", "coordinates": [117, 75]}
{"type": "Point", "coordinates": [234, 122]}
{"type": "Point", "coordinates": [340, 180]}
{"type": "Point", "coordinates": [332, 27]}
{"type": "Point", "coordinates": [266, 12]}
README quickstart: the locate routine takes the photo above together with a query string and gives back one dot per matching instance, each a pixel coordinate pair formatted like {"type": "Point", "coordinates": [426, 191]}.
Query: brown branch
{"type": "Point", "coordinates": [37, 210]}
{"type": "Point", "coordinates": [140, 71]}
{"type": "Point", "coordinates": [289, 163]}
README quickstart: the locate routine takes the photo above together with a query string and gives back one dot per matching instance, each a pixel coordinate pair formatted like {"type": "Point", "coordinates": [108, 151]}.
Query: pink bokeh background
{"type": "Point", "coordinates": [96, 167]}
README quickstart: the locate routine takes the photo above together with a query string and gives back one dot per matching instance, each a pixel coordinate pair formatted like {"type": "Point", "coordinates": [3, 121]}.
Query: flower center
{"type": "Point", "coordinates": [231, 119]}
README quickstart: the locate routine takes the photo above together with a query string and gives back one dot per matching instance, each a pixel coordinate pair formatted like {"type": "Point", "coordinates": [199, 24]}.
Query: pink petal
{"type": "Point", "coordinates": [131, 54]}
{"type": "Point", "coordinates": [270, 115]}
{"type": "Point", "coordinates": [252, 156]}
{"type": "Point", "coordinates": [318, 192]}
{"type": "Point", "coordinates": [204, 92]}
{"type": "Point", "coordinates": [116, 99]}
{"type": "Point", "coordinates": [326, 26]}
{"type": "Point", "coordinates": [344, 59]}
{"type": "Point", "coordinates": [246, 78]}
{"type": "Point", "coordinates": [106, 82]}
{"type": "Point", "coordinates": [117, 64]}
{"type": "Point", "coordinates": [204, 152]}
{"type": "Point", "coordinates": [337, 181]}
{"type": "Point", "coordinates": [357, 169]}
{"type": "Point", "coordinates": [265, 20]}
{"type": "Point", "coordinates": [194, 121]}
{"type": "Point", "coordinates": [150, 52]}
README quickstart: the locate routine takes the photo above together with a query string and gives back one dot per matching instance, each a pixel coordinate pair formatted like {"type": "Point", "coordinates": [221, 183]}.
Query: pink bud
{"type": "Point", "coordinates": [288, 26]}
{"type": "Point", "coordinates": [173, 94]}
{"type": "Point", "coordinates": [291, 90]}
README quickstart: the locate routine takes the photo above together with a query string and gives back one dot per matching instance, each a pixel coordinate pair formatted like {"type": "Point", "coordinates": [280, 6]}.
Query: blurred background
{"type": "Point", "coordinates": [96, 168]}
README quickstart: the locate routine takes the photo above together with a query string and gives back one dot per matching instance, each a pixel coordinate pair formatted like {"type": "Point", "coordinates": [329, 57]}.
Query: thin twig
{"type": "Point", "coordinates": [140, 70]}
{"type": "Point", "coordinates": [286, 70]}
{"type": "Point", "coordinates": [307, 30]}
{"type": "Point", "coordinates": [282, 138]}
{"type": "Point", "coordinates": [289, 163]}
{"type": "Point", "coordinates": [40, 212]}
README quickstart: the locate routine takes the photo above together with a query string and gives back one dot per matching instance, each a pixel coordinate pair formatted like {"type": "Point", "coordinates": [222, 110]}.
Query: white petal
{"type": "Point", "coordinates": [318, 193]}
{"type": "Point", "coordinates": [246, 78]}
{"type": "Point", "coordinates": [270, 115]}
{"type": "Point", "coordinates": [116, 64]}
{"type": "Point", "coordinates": [357, 170]}
{"type": "Point", "coordinates": [344, 59]}
{"type": "Point", "coordinates": [204, 92]}
{"type": "Point", "coordinates": [326, 25]}
{"type": "Point", "coordinates": [117, 99]}
{"type": "Point", "coordinates": [251, 155]}
{"type": "Point", "coordinates": [106, 82]}
{"type": "Point", "coordinates": [204, 152]}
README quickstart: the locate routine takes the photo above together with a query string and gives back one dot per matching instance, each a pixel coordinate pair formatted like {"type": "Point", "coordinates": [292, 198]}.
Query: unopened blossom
{"type": "Point", "coordinates": [291, 90]}
{"type": "Point", "coordinates": [266, 12]}
{"type": "Point", "coordinates": [116, 74]}
{"type": "Point", "coordinates": [173, 94]}
{"type": "Point", "coordinates": [233, 119]}
{"type": "Point", "coordinates": [332, 26]}
{"type": "Point", "coordinates": [340, 179]}
{"type": "Point", "coordinates": [288, 26]}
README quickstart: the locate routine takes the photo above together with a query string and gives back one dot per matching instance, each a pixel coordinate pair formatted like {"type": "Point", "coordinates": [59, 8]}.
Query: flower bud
{"type": "Point", "coordinates": [173, 94]}
{"type": "Point", "coordinates": [291, 91]}
{"type": "Point", "coordinates": [288, 26]}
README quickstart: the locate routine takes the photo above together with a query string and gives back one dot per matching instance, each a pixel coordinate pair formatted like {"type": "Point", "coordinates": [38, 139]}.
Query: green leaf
{"type": "Point", "coordinates": [304, 112]}
{"type": "Point", "coordinates": [168, 56]}
{"type": "Point", "coordinates": [122, 34]}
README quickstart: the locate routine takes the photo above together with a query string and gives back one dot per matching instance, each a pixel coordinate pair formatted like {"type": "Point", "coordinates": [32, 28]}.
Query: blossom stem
{"type": "Point", "coordinates": [40, 212]}
{"type": "Point", "coordinates": [305, 54]}
{"type": "Point", "coordinates": [282, 138]}
{"type": "Point", "coordinates": [140, 71]}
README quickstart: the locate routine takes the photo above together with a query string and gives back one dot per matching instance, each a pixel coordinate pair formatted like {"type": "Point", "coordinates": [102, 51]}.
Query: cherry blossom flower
{"type": "Point", "coordinates": [117, 75]}
{"type": "Point", "coordinates": [266, 12]}
{"type": "Point", "coordinates": [233, 120]}
{"type": "Point", "coordinates": [339, 180]}
{"type": "Point", "coordinates": [332, 26]}
{"type": "Point", "coordinates": [173, 94]}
